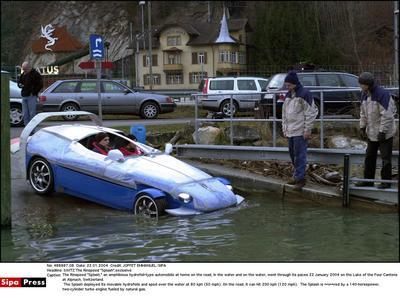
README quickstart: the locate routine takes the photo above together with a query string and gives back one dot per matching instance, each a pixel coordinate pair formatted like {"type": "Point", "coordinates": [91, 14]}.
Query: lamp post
{"type": "Point", "coordinates": [142, 4]}
{"type": "Point", "coordinates": [142, 37]}
{"type": "Point", "coordinates": [150, 42]}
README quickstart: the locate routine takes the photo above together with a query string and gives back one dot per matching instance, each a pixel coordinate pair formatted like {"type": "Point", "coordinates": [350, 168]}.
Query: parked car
{"type": "Point", "coordinates": [335, 102]}
{"type": "Point", "coordinates": [16, 115]}
{"type": "Point", "coordinates": [226, 86]}
{"type": "Point", "coordinates": [60, 158]}
{"type": "Point", "coordinates": [81, 94]}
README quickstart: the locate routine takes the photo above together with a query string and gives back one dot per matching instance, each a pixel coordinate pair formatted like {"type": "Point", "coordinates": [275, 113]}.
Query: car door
{"type": "Point", "coordinates": [66, 90]}
{"type": "Point", "coordinates": [333, 100]}
{"type": "Point", "coordinates": [223, 88]}
{"type": "Point", "coordinates": [247, 101]}
{"type": "Point", "coordinates": [117, 98]}
{"type": "Point", "coordinates": [351, 81]}
{"type": "Point", "coordinates": [87, 96]}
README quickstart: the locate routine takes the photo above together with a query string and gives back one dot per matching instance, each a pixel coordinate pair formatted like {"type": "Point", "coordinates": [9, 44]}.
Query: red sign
{"type": "Point", "coordinates": [90, 65]}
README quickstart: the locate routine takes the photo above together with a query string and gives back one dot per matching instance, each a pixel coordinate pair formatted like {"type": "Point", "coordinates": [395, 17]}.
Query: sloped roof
{"type": "Point", "coordinates": [204, 32]}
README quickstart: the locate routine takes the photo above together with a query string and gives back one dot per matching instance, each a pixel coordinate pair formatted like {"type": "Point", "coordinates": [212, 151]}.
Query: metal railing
{"type": "Point", "coordinates": [273, 120]}
{"type": "Point", "coordinates": [347, 180]}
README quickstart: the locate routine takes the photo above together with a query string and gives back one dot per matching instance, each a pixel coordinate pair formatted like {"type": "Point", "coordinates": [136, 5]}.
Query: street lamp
{"type": "Point", "coordinates": [150, 38]}
{"type": "Point", "coordinates": [142, 4]}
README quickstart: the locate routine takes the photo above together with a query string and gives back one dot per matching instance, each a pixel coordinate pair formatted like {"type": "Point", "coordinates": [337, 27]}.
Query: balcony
{"type": "Point", "coordinates": [173, 67]}
{"type": "Point", "coordinates": [229, 67]}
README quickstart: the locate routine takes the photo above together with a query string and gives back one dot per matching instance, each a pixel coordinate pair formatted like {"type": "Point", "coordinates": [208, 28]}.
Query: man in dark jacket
{"type": "Point", "coordinates": [378, 126]}
{"type": "Point", "coordinates": [31, 83]}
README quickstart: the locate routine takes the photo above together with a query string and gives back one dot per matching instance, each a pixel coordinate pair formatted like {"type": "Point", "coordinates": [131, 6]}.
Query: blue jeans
{"type": "Point", "coordinates": [298, 155]}
{"type": "Point", "coordinates": [29, 107]}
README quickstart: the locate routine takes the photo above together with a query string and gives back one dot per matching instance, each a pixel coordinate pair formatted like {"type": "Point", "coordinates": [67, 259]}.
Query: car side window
{"type": "Point", "coordinates": [262, 83]}
{"type": "Point", "coordinates": [110, 87]}
{"type": "Point", "coordinates": [66, 87]}
{"type": "Point", "coordinates": [88, 87]}
{"type": "Point", "coordinates": [350, 81]}
{"type": "Point", "coordinates": [221, 85]}
{"type": "Point", "coordinates": [328, 80]}
{"type": "Point", "coordinates": [307, 79]}
{"type": "Point", "coordinates": [246, 85]}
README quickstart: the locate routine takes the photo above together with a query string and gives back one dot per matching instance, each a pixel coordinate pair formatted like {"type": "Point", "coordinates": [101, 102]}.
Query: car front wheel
{"type": "Point", "coordinates": [41, 176]}
{"type": "Point", "coordinates": [225, 108]}
{"type": "Point", "coordinates": [16, 115]}
{"type": "Point", "coordinates": [70, 107]}
{"type": "Point", "coordinates": [149, 110]}
{"type": "Point", "coordinates": [150, 207]}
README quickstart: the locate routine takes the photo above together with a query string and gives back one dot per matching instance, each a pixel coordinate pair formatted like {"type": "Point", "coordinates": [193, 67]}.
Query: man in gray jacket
{"type": "Point", "coordinates": [378, 126]}
{"type": "Point", "coordinates": [298, 115]}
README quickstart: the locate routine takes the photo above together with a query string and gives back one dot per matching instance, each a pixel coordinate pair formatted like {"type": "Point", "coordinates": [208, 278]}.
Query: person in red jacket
{"type": "Point", "coordinates": [101, 143]}
{"type": "Point", "coordinates": [127, 148]}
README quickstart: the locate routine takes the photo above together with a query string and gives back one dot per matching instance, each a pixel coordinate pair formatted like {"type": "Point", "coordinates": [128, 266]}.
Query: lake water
{"type": "Point", "coordinates": [265, 228]}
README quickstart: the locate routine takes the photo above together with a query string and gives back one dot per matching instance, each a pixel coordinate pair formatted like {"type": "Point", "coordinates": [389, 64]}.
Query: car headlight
{"type": "Point", "coordinates": [185, 197]}
{"type": "Point", "coordinates": [229, 187]}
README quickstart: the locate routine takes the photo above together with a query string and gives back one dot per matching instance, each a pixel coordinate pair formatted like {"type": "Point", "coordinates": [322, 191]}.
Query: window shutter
{"type": "Point", "coordinates": [205, 57]}
{"type": "Point", "coordinates": [194, 57]}
{"type": "Point", "coordinates": [191, 77]}
{"type": "Point", "coordinates": [144, 61]}
{"type": "Point", "coordinates": [155, 63]}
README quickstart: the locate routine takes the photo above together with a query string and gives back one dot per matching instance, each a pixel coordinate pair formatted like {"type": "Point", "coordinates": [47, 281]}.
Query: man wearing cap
{"type": "Point", "coordinates": [298, 115]}
{"type": "Point", "coordinates": [378, 126]}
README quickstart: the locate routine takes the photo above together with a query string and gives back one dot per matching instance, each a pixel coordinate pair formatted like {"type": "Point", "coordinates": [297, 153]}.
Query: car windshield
{"type": "Point", "coordinates": [276, 81]}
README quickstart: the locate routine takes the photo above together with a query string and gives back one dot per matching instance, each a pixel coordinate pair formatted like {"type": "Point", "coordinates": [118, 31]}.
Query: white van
{"type": "Point", "coordinates": [218, 93]}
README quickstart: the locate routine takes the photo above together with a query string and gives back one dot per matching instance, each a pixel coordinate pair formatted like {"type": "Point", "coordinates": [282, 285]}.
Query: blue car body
{"type": "Point", "coordinates": [81, 172]}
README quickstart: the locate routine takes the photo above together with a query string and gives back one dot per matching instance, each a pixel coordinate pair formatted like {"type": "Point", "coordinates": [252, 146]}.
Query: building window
{"type": "Point", "coordinates": [199, 57]}
{"type": "Point", "coordinates": [146, 61]}
{"type": "Point", "coordinates": [156, 79]}
{"type": "Point", "coordinates": [175, 78]}
{"type": "Point", "coordinates": [173, 40]}
{"type": "Point", "coordinates": [224, 56]}
{"type": "Point", "coordinates": [234, 57]}
{"type": "Point", "coordinates": [242, 58]}
{"type": "Point", "coordinates": [196, 77]}
{"type": "Point", "coordinates": [174, 58]}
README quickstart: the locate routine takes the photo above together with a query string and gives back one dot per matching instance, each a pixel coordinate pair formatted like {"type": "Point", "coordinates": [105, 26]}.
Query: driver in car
{"type": "Point", "coordinates": [101, 143]}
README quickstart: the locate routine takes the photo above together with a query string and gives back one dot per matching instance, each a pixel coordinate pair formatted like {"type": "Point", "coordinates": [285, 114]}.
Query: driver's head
{"type": "Point", "coordinates": [102, 139]}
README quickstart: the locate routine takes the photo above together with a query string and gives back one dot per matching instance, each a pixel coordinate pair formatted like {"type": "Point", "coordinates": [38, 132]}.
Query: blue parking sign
{"type": "Point", "coordinates": [96, 47]}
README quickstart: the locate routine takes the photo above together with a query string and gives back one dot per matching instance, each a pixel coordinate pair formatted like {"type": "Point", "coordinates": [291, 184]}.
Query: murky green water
{"type": "Point", "coordinates": [62, 228]}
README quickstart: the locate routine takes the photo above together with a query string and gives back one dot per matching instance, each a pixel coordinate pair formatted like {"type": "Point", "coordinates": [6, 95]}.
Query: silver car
{"type": "Point", "coordinates": [74, 95]}
{"type": "Point", "coordinates": [245, 92]}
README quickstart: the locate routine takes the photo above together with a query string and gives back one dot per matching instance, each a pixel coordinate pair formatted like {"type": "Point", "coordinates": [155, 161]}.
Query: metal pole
{"type": "Point", "coordinates": [137, 62]}
{"type": "Point", "coordinates": [231, 122]}
{"type": "Point", "coordinates": [5, 152]}
{"type": "Point", "coordinates": [150, 42]}
{"type": "Point", "coordinates": [133, 56]}
{"type": "Point", "coordinates": [196, 126]}
{"type": "Point", "coordinates": [396, 42]}
{"type": "Point", "coordinates": [142, 3]}
{"type": "Point", "coordinates": [98, 90]}
{"type": "Point", "coordinates": [321, 144]}
{"type": "Point", "coordinates": [346, 181]}
{"type": "Point", "coordinates": [274, 121]}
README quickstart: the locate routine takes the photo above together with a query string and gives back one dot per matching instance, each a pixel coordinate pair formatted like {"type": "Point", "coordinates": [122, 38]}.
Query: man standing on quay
{"type": "Point", "coordinates": [31, 83]}
{"type": "Point", "coordinates": [378, 126]}
{"type": "Point", "coordinates": [298, 115]}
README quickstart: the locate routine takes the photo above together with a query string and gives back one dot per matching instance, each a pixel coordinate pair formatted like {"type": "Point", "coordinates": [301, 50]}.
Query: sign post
{"type": "Point", "coordinates": [97, 53]}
